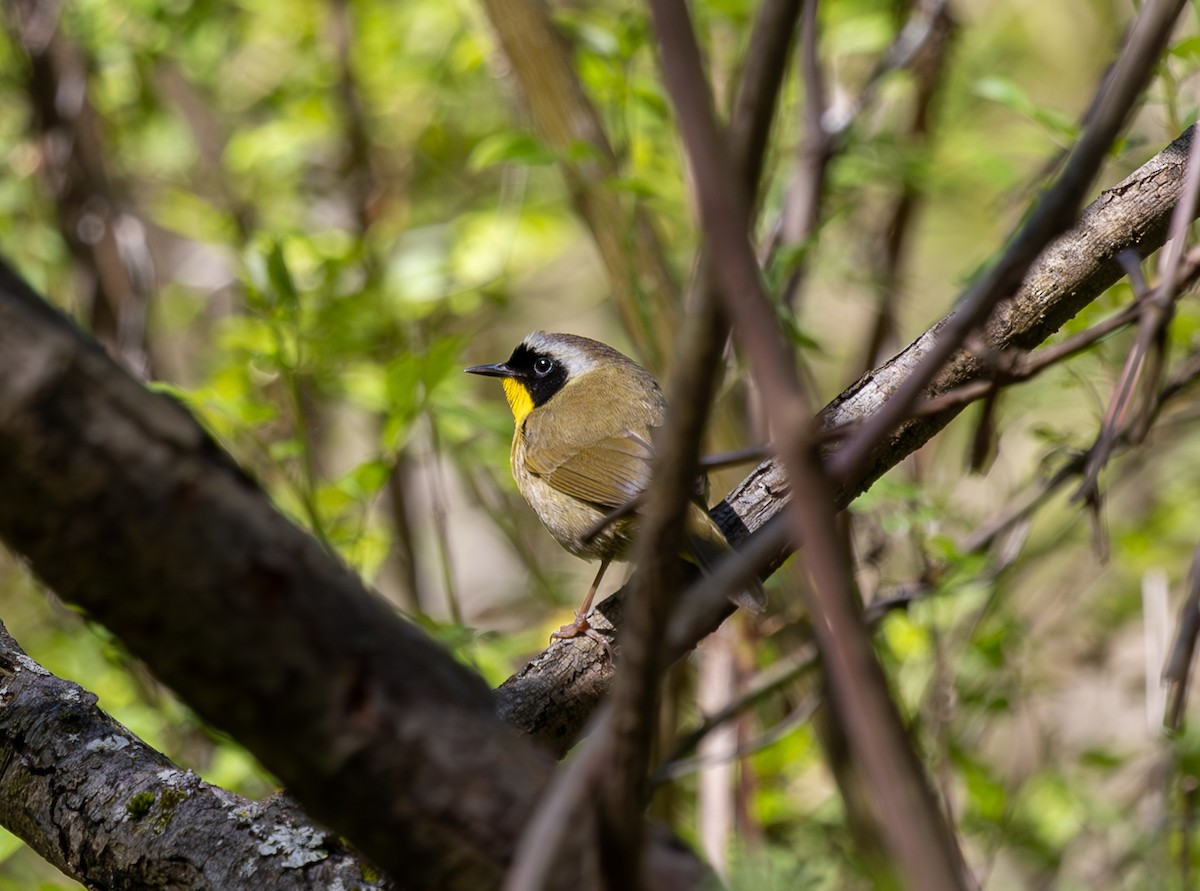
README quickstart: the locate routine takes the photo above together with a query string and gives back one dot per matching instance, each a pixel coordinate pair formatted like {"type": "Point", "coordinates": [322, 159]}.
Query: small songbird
{"type": "Point", "coordinates": [585, 415]}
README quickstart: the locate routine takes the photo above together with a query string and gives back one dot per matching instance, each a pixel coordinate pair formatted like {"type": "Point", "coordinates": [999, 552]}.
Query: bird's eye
{"type": "Point", "coordinates": [543, 366]}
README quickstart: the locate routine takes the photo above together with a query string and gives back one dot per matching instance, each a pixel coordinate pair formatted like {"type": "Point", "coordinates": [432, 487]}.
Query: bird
{"type": "Point", "coordinates": [582, 451]}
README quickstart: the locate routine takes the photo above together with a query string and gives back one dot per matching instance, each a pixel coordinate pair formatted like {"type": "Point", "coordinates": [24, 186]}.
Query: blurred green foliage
{"type": "Point", "coordinates": [345, 207]}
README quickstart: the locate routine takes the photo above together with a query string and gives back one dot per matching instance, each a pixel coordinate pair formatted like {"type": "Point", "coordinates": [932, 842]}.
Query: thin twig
{"type": "Point", "coordinates": [1024, 366]}
{"type": "Point", "coordinates": [545, 833]}
{"type": "Point", "coordinates": [1155, 316]}
{"type": "Point", "coordinates": [924, 40]}
{"type": "Point", "coordinates": [803, 209]}
{"type": "Point", "coordinates": [758, 90]}
{"type": "Point", "coordinates": [617, 513]}
{"type": "Point", "coordinates": [661, 537]}
{"type": "Point", "coordinates": [779, 675]}
{"type": "Point", "coordinates": [918, 838]}
{"type": "Point", "coordinates": [1177, 673]}
{"type": "Point", "coordinates": [797, 717]}
{"type": "Point", "coordinates": [708, 462]}
{"type": "Point", "coordinates": [735, 458]}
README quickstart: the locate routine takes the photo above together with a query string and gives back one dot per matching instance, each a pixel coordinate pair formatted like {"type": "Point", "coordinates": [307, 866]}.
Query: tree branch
{"type": "Point", "coordinates": [553, 696]}
{"type": "Point", "coordinates": [1118, 93]}
{"type": "Point", "coordinates": [144, 522]}
{"type": "Point", "coordinates": [105, 808]}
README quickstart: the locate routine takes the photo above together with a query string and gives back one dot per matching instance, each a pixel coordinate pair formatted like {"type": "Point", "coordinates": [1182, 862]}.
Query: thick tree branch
{"type": "Point", "coordinates": [553, 696]}
{"type": "Point", "coordinates": [145, 523]}
{"type": "Point", "coordinates": [102, 806]}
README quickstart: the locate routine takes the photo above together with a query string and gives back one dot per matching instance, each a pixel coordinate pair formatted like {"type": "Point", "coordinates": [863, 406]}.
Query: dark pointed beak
{"type": "Point", "coordinates": [497, 370]}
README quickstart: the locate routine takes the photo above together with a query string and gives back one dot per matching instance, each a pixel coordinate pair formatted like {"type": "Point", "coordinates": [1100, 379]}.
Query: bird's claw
{"type": "Point", "coordinates": [581, 627]}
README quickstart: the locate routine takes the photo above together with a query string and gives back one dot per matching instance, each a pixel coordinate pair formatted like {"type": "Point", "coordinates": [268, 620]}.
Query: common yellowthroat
{"type": "Point", "coordinates": [582, 448]}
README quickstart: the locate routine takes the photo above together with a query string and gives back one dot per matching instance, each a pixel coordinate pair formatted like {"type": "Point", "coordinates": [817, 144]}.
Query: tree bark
{"type": "Point", "coordinates": [123, 505]}
{"type": "Point", "coordinates": [107, 809]}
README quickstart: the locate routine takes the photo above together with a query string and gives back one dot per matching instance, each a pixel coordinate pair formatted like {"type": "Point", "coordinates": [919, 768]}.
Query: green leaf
{"type": "Point", "coordinates": [1005, 92]}
{"type": "Point", "coordinates": [509, 147]}
{"type": "Point", "coordinates": [280, 277]}
{"type": "Point", "coordinates": [1187, 49]}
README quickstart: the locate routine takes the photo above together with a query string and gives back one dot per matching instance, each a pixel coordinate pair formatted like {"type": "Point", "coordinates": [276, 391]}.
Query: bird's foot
{"type": "Point", "coordinates": [581, 627]}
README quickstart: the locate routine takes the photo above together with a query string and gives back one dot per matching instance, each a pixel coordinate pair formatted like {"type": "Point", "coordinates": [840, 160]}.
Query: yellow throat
{"type": "Point", "coordinates": [518, 398]}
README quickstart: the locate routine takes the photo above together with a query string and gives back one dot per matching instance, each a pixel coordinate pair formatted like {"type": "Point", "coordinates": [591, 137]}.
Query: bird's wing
{"type": "Point", "coordinates": [607, 473]}
{"type": "Point", "coordinates": [604, 457]}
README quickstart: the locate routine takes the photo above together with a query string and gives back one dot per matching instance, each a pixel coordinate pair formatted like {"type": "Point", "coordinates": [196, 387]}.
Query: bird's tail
{"type": "Point", "coordinates": [707, 545]}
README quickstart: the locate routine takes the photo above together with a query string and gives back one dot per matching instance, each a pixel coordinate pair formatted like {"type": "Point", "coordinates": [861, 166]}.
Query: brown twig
{"type": "Point", "coordinates": [1022, 367]}
{"type": "Point", "coordinates": [802, 211]}
{"type": "Point", "coordinates": [1177, 672]}
{"type": "Point", "coordinates": [924, 851]}
{"type": "Point", "coordinates": [736, 457]}
{"type": "Point", "coordinates": [926, 39]}
{"type": "Point", "coordinates": [779, 675]}
{"type": "Point", "coordinates": [758, 90]}
{"type": "Point", "coordinates": [661, 536]}
{"type": "Point", "coordinates": [706, 463]}
{"type": "Point", "coordinates": [1148, 347]}
{"type": "Point", "coordinates": [544, 835]}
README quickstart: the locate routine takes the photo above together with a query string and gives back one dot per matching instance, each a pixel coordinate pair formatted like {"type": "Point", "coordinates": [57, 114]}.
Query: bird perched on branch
{"type": "Point", "coordinates": [582, 453]}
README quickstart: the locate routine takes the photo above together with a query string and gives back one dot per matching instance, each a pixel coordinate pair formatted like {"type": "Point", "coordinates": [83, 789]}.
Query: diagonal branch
{"type": "Point", "coordinates": [553, 696]}
{"type": "Point", "coordinates": [920, 843]}
{"type": "Point", "coordinates": [1053, 214]}
{"type": "Point", "coordinates": [83, 792]}
{"type": "Point", "coordinates": [141, 520]}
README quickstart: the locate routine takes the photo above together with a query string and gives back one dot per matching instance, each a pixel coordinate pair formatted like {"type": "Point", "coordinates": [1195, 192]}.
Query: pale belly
{"type": "Point", "coordinates": [569, 519]}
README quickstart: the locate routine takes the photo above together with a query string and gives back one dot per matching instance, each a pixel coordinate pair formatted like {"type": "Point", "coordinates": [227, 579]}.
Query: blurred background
{"type": "Point", "coordinates": [303, 218]}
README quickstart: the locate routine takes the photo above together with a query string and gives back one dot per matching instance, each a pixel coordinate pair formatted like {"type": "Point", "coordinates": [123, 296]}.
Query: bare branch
{"type": "Point", "coordinates": [1177, 673]}
{"type": "Point", "coordinates": [365, 719]}
{"type": "Point", "coordinates": [1053, 213]}
{"type": "Point", "coordinates": [553, 696]}
{"type": "Point", "coordinates": [102, 806]}
{"type": "Point", "coordinates": [1148, 347]}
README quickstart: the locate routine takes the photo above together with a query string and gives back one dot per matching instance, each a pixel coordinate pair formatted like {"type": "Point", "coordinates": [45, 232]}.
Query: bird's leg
{"type": "Point", "coordinates": [580, 625]}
